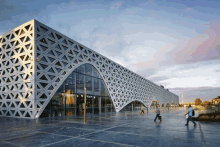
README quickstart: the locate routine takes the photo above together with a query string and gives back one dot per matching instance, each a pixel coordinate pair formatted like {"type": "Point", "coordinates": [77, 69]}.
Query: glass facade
{"type": "Point", "coordinates": [154, 104]}
{"type": "Point", "coordinates": [69, 98]}
{"type": "Point", "coordinates": [133, 106]}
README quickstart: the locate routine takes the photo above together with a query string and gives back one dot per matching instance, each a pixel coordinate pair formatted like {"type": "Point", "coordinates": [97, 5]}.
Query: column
{"type": "Point", "coordinates": [132, 106]}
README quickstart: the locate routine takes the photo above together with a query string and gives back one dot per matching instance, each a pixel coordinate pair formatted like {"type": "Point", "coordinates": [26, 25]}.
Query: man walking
{"type": "Point", "coordinates": [142, 110]}
{"type": "Point", "coordinates": [158, 114]}
{"type": "Point", "coordinates": [190, 111]}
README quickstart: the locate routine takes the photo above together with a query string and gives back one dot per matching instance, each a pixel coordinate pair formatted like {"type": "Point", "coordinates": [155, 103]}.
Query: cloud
{"type": "Point", "coordinates": [188, 9]}
{"type": "Point", "coordinates": [116, 4]}
{"type": "Point", "coordinates": [6, 9]}
{"type": "Point", "coordinates": [199, 48]}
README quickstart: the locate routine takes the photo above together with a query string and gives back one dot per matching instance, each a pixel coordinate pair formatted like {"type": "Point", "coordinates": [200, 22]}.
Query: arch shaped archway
{"type": "Point", "coordinates": [155, 101]}
{"type": "Point", "coordinates": [136, 104]}
{"type": "Point", "coordinates": [172, 104]}
{"type": "Point", "coordinates": [167, 104]}
{"type": "Point", "coordinates": [70, 92]}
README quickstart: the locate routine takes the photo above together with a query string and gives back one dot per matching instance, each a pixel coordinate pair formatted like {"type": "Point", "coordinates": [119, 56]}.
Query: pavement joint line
{"type": "Point", "coordinates": [58, 141]}
{"type": "Point", "coordinates": [56, 134]}
{"type": "Point", "coordinates": [19, 136]}
{"type": "Point", "coordinates": [112, 123]}
{"type": "Point", "coordinates": [74, 137]}
{"type": "Point", "coordinates": [87, 139]}
{"type": "Point", "coordinates": [78, 128]}
{"type": "Point", "coordinates": [108, 142]}
{"type": "Point", "coordinates": [162, 136]}
{"type": "Point", "coordinates": [80, 137]}
{"type": "Point", "coordinates": [12, 143]}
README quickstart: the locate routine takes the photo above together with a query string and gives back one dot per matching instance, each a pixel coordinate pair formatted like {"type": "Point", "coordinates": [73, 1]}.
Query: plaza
{"type": "Point", "coordinates": [113, 129]}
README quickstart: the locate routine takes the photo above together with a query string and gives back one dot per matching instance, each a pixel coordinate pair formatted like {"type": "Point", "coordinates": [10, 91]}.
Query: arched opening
{"type": "Point", "coordinates": [155, 103]}
{"type": "Point", "coordinates": [172, 104]}
{"type": "Point", "coordinates": [167, 105]}
{"type": "Point", "coordinates": [69, 98]}
{"type": "Point", "coordinates": [162, 105]}
{"type": "Point", "coordinates": [133, 106]}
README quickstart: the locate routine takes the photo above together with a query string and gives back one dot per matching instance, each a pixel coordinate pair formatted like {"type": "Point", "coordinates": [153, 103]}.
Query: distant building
{"type": "Point", "coordinates": [216, 100]}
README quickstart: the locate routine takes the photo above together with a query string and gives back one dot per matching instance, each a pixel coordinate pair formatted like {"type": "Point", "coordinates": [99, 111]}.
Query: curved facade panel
{"type": "Point", "coordinates": [56, 56]}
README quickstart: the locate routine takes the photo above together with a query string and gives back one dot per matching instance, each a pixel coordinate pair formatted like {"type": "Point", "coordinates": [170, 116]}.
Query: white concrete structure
{"type": "Point", "coordinates": [33, 50]}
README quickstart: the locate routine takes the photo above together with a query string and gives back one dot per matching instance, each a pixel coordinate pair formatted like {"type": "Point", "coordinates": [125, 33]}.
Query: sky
{"type": "Point", "coordinates": [170, 42]}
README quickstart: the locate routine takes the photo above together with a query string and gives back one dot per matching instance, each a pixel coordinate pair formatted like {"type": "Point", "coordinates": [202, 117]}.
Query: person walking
{"type": "Point", "coordinates": [158, 114]}
{"type": "Point", "coordinates": [190, 111]}
{"type": "Point", "coordinates": [142, 110]}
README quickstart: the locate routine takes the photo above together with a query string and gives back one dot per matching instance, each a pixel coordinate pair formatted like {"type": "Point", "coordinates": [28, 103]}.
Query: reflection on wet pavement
{"type": "Point", "coordinates": [115, 129]}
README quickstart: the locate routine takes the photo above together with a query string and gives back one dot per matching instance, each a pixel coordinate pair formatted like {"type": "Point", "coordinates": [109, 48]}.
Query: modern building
{"type": "Point", "coordinates": [43, 73]}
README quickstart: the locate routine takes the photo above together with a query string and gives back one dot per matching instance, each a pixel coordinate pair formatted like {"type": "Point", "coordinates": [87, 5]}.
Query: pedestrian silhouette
{"type": "Point", "coordinates": [142, 110]}
{"type": "Point", "coordinates": [158, 114]}
{"type": "Point", "coordinates": [190, 114]}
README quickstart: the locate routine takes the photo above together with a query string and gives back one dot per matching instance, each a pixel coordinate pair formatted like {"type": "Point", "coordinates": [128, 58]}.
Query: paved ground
{"type": "Point", "coordinates": [118, 130]}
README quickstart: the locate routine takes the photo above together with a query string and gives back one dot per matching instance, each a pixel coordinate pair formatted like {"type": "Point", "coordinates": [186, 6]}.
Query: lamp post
{"type": "Point", "coordinates": [84, 104]}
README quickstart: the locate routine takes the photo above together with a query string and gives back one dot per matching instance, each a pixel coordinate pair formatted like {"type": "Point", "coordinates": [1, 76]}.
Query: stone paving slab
{"type": "Point", "coordinates": [113, 130]}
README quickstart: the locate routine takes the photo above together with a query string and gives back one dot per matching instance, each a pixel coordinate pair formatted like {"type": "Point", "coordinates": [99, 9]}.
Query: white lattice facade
{"type": "Point", "coordinates": [33, 50]}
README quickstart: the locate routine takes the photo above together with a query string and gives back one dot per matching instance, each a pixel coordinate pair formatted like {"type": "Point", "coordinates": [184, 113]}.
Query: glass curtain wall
{"type": "Point", "coordinates": [69, 98]}
{"type": "Point", "coordinates": [136, 106]}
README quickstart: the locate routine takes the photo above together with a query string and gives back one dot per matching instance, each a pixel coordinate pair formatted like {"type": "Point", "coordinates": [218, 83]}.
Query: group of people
{"type": "Point", "coordinates": [189, 113]}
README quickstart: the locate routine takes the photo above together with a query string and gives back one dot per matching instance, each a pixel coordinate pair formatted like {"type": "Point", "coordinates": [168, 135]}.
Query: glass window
{"type": "Point", "coordinates": [81, 69]}
{"type": "Point", "coordinates": [96, 85]}
{"type": "Point", "coordinates": [69, 79]}
{"type": "Point", "coordinates": [89, 69]}
{"type": "Point", "coordinates": [96, 105]}
{"type": "Point", "coordinates": [80, 81]}
{"type": "Point", "coordinates": [70, 103]}
{"type": "Point", "coordinates": [47, 111]}
{"type": "Point", "coordinates": [57, 104]}
{"type": "Point", "coordinates": [70, 83]}
{"type": "Point", "coordinates": [88, 83]}
{"type": "Point", "coordinates": [95, 73]}
{"type": "Point", "coordinates": [109, 104]}
{"type": "Point", "coordinates": [103, 93]}
{"type": "Point", "coordinates": [68, 100]}
{"type": "Point", "coordinates": [103, 105]}
{"type": "Point", "coordinates": [89, 104]}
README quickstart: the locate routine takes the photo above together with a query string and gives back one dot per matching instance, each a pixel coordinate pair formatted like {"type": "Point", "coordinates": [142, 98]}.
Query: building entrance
{"type": "Point", "coordinates": [69, 98]}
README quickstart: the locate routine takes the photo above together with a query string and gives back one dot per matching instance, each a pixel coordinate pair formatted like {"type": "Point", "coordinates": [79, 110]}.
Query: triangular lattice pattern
{"type": "Point", "coordinates": [16, 71]}
{"type": "Point", "coordinates": [34, 55]}
{"type": "Point", "coordinates": [61, 55]}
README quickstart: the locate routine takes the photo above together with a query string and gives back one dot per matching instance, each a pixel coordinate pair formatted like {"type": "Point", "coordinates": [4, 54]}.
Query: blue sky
{"type": "Point", "coordinates": [170, 42]}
